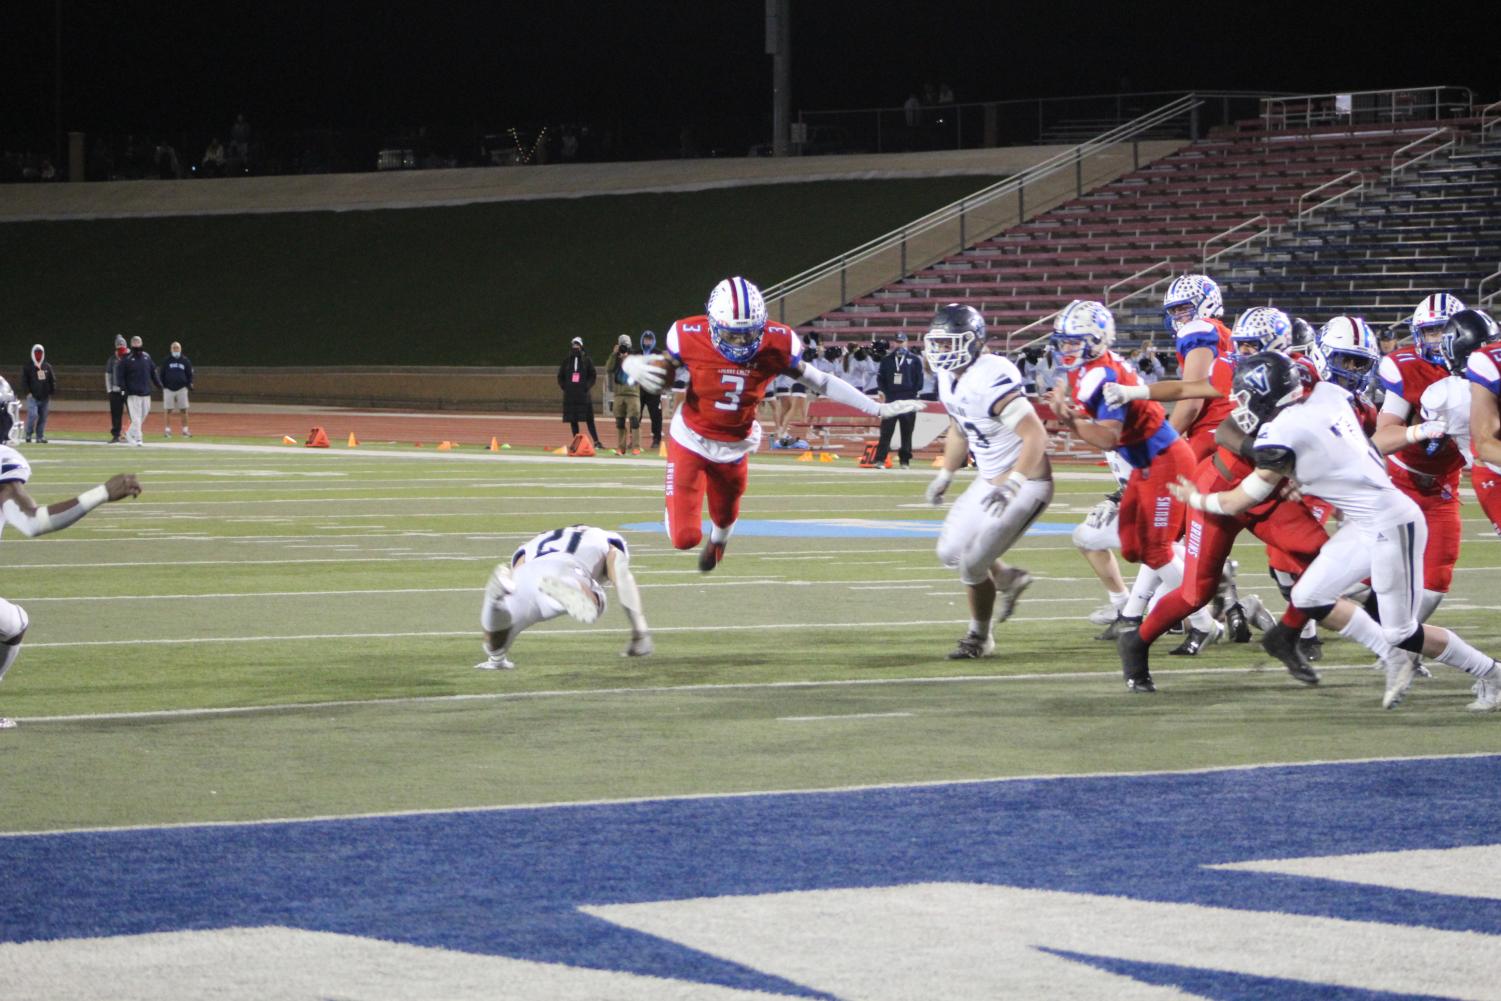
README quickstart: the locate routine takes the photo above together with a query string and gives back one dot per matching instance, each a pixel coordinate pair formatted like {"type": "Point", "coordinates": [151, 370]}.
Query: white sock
{"type": "Point", "coordinates": [1203, 621]}
{"type": "Point", "coordinates": [1170, 575]}
{"type": "Point", "coordinates": [1363, 629]}
{"type": "Point", "coordinates": [717, 534]}
{"type": "Point", "coordinates": [1428, 604]}
{"type": "Point", "coordinates": [1465, 657]}
{"type": "Point", "coordinates": [1310, 630]}
{"type": "Point", "coordinates": [1118, 599]}
{"type": "Point", "coordinates": [980, 629]}
{"type": "Point", "coordinates": [1141, 590]}
{"type": "Point", "coordinates": [8, 654]}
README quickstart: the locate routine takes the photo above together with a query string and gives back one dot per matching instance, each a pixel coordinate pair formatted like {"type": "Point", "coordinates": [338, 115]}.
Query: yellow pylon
{"type": "Point", "coordinates": [494, 444]}
{"type": "Point", "coordinates": [805, 457]}
{"type": "Point", "coordinates": [287, 439]}
{"type": "Point", "coordinates": [827, 456]}
{"type": "Point", "coordinates": [353, 441]}
{"type": "Point", "coordinates": [445, 446]}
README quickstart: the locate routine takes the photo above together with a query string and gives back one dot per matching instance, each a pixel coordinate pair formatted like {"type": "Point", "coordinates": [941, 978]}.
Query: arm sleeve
{"type": "Point", "coordinates": [839, 391]}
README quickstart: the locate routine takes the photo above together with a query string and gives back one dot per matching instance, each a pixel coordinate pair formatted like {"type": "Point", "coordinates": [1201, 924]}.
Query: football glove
{"type": "Point", "coordinates": [1001, 495]}
{"type": "Point", "coordinates": [1103, 513]}
{"type": "Point", "coordinates": [899, 407]}
{"type": "Point", "coordinates": [1427, 431]}
{"type": "Point", "coordinates": [1117, 395]}
{"type": "Point", "coordinates": [939, 487]}
{"type": "Point", "coordinates": [648, 376]}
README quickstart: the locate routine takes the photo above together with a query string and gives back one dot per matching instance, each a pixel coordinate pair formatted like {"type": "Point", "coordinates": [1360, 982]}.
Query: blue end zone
{"type": "Point", "coordinates": [843, 528]}
{"type": "Point", "coordinates": [510, 882]}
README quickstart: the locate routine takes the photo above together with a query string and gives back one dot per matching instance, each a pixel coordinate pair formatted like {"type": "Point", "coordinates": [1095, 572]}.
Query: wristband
{"type": "Point", "coordinates": [1414, 434]}
{"type": "Point", "coordinates": [1137, 392]}
{"type": "Point", "coordinates": [93, 497]}
{"type": "Point", "coordinates": [1016, 479]}
{"type": "Point", "coordinates": [1205, 502]}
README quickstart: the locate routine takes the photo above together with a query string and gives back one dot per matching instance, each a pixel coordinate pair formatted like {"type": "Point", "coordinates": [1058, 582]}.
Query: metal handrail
{"type": "Point", "coordinates": [958, 209]}
{"type": "Point", "coordinates": [1360, 185]}
{"type": "Point", "coordinates": [1487, 119]}
{"type": "Point", "coordinates": [1482, 298]}
{"type": "Point", "coordinates": [1168, 264]}
{"type": "Point", "coordinates": [1308, 100]}
{"type": "Point", "coordinates": [1204, 247]}
{"type": "Point", "coordinates": [1396, 168]}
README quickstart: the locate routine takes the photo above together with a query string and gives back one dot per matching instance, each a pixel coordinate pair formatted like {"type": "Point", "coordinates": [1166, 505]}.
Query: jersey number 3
{"type": "Point", "coordinates": [732, 395]}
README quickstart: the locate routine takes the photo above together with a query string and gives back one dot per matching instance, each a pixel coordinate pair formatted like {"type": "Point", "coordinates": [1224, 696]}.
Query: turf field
{"type": "Point", "coordinates": [274, 634]}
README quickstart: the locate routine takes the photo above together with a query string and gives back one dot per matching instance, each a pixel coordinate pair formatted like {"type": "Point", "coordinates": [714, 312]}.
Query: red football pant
{"type": "Point", "coordinates": [1289, 563]}
{"type": "Point", "coordinates": [1206, 545]}
{"type": "Point", "coordinates": [1487, 486]}
{"type": "Point", "coordinates": [1441, 512]}
{"type": "Point", "coordinates": [1150, 519]}
{"type": "Point", "coordinates": [1201, 442]}
{"type": "Point", "coordinates": [689, 476]}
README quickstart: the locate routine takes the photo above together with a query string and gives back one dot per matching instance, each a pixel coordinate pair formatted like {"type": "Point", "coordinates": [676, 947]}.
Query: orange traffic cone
{"type": "Point", "coordinates": [827, 456]}
{"type": "Point", "coordinates": [353, 441]}
{"type": "Point", "coordinates": [805, 457]}
{"type": "Point", "coordinates": [317, 438]}
{"type": "Point", "coordinates": [287, 439]}
{"type": "Point", "coordinates": [445, 446]}
{"type": "Point", "coordinates": [494, 444]}
{"type": "Point", "coordinates": [581, 446]}
{"type": "Point", "coordinates": [560, 450]}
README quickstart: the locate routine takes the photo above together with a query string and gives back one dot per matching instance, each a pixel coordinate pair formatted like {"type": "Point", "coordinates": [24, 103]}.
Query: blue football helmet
{"type": "Point", "coordinates": [1262, 328]}
{"type": "Point", "coordinates": [737, 319]}
{"type": "Point", "coordinates": [1428, 322]}
{"type": "Point", "coordinates": [1189, 298]}
{"type": "Point", "coordinates": [1082, 332]}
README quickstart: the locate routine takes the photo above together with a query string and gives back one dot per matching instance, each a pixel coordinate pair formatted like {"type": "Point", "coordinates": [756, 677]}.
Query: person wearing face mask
{"type": "Point", "coordinates": [114, 389]}
{"type": "Point", "coordinates": [576, 378]}
{"type": "Point", "coordinates": [176, 373]}
{"type": "Point", "coordinates": [40, 383]}
{"type": "Point", "coordinates": [137, 374]}
{"type": "Point", "coordinates": [651, 403]}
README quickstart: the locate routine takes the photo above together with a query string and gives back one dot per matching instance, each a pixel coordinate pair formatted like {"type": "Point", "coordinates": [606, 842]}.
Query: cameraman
{"type": "Point", "coordinates": [627, 402]}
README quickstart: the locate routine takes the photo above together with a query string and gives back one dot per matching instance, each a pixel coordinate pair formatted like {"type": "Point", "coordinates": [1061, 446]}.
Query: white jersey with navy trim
{"type": "Point", "coordinates": [13, 466]}
{"type": "Point", "coordinates": [969, 400]}
{"type": "Point", "coordinates": [1336, 461]}
{"type": "Point", "coordinates": [1448, 402]}
{"type": "Point", "coordinates": [583, 544]}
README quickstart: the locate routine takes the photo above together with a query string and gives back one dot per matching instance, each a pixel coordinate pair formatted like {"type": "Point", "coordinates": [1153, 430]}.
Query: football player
{"type": "Point", "coordinates": [32, 520]}
{"type": "Point", "coordinates": [1427, 470]}
{"type": "Point", "coordinates": [558, 572]}
{"type": "Point", "coordinates": [731, 353]}
{"type": "Point", "coordinates": [1192, 309]}
{"type": "Point", "coordinates": [989, 415]}
{"type": "Point", "coordinates": [1313, 438]}
{"type": "Point", "coordinates": [1466, 402]}
{"type": "Point", "coordinates": [1149, 520]}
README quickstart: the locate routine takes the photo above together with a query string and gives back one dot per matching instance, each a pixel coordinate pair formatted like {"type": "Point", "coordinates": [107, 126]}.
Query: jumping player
{"type": "Point", "coordinates": [557, 572]}
{"type": "Point", "coordinates": [989, 415]}
{"type": "Point", "coordinates": [731, 353]}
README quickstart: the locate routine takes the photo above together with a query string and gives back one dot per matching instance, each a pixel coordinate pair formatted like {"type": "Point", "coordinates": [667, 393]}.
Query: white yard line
{"type": "Point", "coordinates": [818, 719]}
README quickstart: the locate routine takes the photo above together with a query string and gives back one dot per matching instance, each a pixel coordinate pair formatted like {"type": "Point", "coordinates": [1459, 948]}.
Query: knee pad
{"type": "Point", "coordinates": [1318, 613]}
{"type": "Point", "coordinates": [13, 622]}
{"type": "Point", "coordinates": [1412, 641]}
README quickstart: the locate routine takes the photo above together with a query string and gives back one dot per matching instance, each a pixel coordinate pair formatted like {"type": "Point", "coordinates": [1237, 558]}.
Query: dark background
{"type": "Point", "coordinates": [401, 64]}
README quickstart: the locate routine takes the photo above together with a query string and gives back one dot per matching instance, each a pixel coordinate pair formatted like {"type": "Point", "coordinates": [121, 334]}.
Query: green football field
{"type": "Point", "coordinates": [290, 633]}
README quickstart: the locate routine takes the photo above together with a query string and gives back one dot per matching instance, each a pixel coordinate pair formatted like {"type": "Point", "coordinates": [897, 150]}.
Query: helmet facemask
{"type": "Point", "coordinates": [949, 350]}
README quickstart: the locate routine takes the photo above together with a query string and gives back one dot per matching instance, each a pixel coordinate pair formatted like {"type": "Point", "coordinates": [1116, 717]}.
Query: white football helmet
{"type": "Point", "coordinates": [1428, 324]}
{"type": "Point", "coordinates": [1349, 351]}
{"type": "Point", "coordinates": [737, 319]}
{"type": "Point", "coordinates": [955, 338]}
{"type": "Point", "coordinates": [1082, 332]}
{"type": "Point", "coordinates": [1262, 328]}
{"type": "Point", "coordinates": [11, 421]}
{"type": "Point", "coordinates": [1197, 291]}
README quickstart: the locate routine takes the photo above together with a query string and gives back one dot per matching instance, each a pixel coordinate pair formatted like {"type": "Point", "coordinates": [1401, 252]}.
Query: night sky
{"type": "Point", "coordinates": [131, 66]}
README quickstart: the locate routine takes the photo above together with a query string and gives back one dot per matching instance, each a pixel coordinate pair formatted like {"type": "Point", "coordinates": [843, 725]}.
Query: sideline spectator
{"type": "Point", "coordinates": [114, 390]}
{"type": "Point", "coordinates": [213, 159]}
{"type": "Point", "coordinates": [40, 382]}
{"type": "Point", "coordinates": [1147, 364]}
{"type": "Point", "coordinates": [576, 379]}
{"type": "Point", "coordinates": [652, 402]}
{"type": "Point", "coordinates": [176, 375]}
{"type": "Point", "coordinates": [137, 374]}
{"type": "Point", "coordinates": [861, 369]}
{"type": "Point", "coordinates": [627, 402]}
{"type": "Point", "coordinates": [912, 110]}
{"type": "Point", "coordinates": [899, 378]}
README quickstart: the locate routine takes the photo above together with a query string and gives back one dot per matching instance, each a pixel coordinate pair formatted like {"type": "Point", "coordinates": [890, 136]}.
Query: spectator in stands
{"type": "Point", "coordinates": [213, 159]}
{"type": "Point", "coordinates": [114, 389]}
{"type": "Point", "coordinates": [176, 374]}
{"type": "Point", "coordinates": [899, 377]}
{"type": "Point", "coordinates": [1147, 365]}
{"type": "Point", "coordinates": [912, 110]}
{"type": "Point", "coordinates": [1392, 336]}
{"type": "Point", "coordinates": [40, 382]}
{"type": "Point", "coordinates": [860, 369]}
{"type": "Point", "coordinates": [576, 379]}
{"type": "Point", "coordinates": [627, 405]}
{"type": "Point", "coordinates": [1026, 362]}
{"type": "Point", "coordinates": [1047, 373]}
{"type": "Point", "coordinates": [651, 403]}
{"type": "Point", "coordinates": [137, 374]}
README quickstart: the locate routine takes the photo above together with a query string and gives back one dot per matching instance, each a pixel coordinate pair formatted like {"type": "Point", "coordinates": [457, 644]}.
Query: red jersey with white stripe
{"type": "Point", "coordinates": [1406, 373]}
{"type": "Point", "coordinates": [723, 395]}
{"type": "Point", "coordinates": [1209, 333]}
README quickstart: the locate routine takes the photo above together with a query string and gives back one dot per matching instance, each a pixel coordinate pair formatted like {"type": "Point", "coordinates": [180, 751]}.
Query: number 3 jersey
{"type": "Point", "coordinates": [722, 396]}
{"type": "Point", "coordinates": [969, 399]}
{"type": "Point", "coordinates": [1334, 460]}
{"type": "Point", "coordinates": [583, 544]}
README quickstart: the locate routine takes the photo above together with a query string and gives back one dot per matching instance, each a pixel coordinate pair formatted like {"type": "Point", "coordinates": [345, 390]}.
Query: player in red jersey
{"type": "Point", "coordinates": [1483, 370]}
{"type": "Point", "coordinates": [1150, 519]}
{"type": "Point", "coordinates": [1428, 470]}
{"type": "Point", "coordinates": [731, 353]}
{"type": "Point", "coordinates": [1192, 309]}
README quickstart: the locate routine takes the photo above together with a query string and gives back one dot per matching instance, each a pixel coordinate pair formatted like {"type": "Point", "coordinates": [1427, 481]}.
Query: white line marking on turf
{"type": "Point", "coordinates": [700, 796]}
{"type": "Point", "coordinates": [815, 719]}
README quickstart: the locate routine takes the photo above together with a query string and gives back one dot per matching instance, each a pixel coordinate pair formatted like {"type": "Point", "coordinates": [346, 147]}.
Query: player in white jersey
{"type": "Point", "coordinates": [558, 572]}
{"type": "Point", "coordinates": [990, 415]}
{"type": "Point", "coordinates": [31, 520]}
{"type": "Point", "coordinates": [1315, 439]}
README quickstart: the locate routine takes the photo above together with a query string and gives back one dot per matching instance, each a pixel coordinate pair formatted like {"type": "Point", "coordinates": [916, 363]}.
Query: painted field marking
{"type": "Point", "coordinates": [816, 719]}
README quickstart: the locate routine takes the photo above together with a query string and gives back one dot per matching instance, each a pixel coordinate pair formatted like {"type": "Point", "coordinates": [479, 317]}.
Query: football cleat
{"type": "Point", "coordinates": [1256, 613]}
{"type": "Point", "coordinates": [579, 596]}
{"type": "Point", "coordinates": [1134, 652]}
{"type": "Point", "coordinates": [710, 556]}
{"type": "Point", "coordinates": [972, 647]}
{"type": "Point", "coordinates": [7, 724]}
{"type": "Point", "coordinates": [1197, 640]}
{"type": "Point", "coordinates": [1006, 595]}
{"type": "Point", "coordinates": [1237, 625]}
{"type": "Point", "coordinates": [1312, 648]}
{"type": "Point", "coordinates": [639, 646]}
{"type": "Point", "coordinates": [1104, 615]}
{"type": "Point", "coordinates": [1118, 625]}
{"type": "Point", "coordinates": [1282, 643]}
{"type": "Point", "coordinates": [1399, 666]}
{"type": "Point", "coordinates": [1487, 694]}
{"type": "Point", "coordinates": [1143, 685]}
{"type": "Point", "coordinates": [493, 664]}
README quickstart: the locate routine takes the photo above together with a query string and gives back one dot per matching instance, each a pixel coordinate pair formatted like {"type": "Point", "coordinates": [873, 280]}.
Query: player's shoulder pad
{"type": "Point", "coordinates": [13, 466]}
{"type": "Point", "coordinates": [1482, 368]}
{"type": "Point", "coordinates": [1198, 333]}
{"type": "Point", "coordinates": [1093, 381]}
{"type": "Point", "coordinates": [1267, 453]}
{"type": "Point", "coordinates": [1390, 373]}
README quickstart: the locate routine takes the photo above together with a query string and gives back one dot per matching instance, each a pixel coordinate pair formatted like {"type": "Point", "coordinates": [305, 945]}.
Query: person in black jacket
{"type": "Point", "coordinates": [176, 373]}
{"type": "Point", "coordinates": [899, 378]}
{"type": "Point", "coordinates": [576, 380]}
{"type": "Point", "coordinates": [40, 383]}
{"type": "Point", "coordinates": [137, 374]}
{"type": "Point", "coordinates": [115, 391]}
